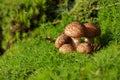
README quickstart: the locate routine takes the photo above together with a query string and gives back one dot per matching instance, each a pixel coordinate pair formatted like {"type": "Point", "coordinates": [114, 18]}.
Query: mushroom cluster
{"type": "Point", "coordinates": [70, 39]}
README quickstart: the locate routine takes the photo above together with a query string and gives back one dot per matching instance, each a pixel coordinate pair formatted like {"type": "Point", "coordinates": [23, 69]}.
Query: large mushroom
{"type": "Point", "coordinates": [91, 31]}
{"type": "Point", "coordinates": [66, 48]}
{"type": "Point", "coordinates": [75, 30]}
{"type": "Point", "coordinates": [62, 39]}
{"type": "Point", "coordinates": [84, 48]}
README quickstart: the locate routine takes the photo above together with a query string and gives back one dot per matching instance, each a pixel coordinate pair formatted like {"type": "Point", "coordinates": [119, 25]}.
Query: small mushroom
{"type": "Point", "coordinates": [84, 48]}
{"type": "Point", "coordinates": [91, 31]}
{"type": "Point", "coordinates": [75, 30]}
{"type": "Point", "coordinates": [62, 39]}
{"type": "Point", "coordinates": [66, 48]}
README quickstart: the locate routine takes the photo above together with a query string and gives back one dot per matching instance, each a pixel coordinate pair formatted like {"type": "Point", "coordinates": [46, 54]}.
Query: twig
{"type": "Point", "coordinates": [48, 38]}
{"type": "Point", "coordinates": [56, 22]}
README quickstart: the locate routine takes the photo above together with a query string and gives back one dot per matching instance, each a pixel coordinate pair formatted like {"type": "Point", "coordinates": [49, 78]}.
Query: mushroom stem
{"type": "Point", "coordinates": [76, 41]}
{"type": "Point", "coordinates": [89, 40]}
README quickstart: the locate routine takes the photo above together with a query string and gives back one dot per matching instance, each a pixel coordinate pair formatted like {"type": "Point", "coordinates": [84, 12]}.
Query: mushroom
{"type": "Point", "coordinates": [75, 30]}
{"type": "Point", "coordinates": [91, 31]}
{"type": "Point", "coordinates": [66, 48]}
{"type": "Point", "coordinates": [62, 39]}
{"type": "Point", "coordinates": [84, 48]}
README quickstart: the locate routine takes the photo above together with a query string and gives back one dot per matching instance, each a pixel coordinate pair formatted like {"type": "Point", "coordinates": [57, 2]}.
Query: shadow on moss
{"type": "Point", "coordinates": [105, 38]}
{"type": "Point", "coordinates": [1, 38]}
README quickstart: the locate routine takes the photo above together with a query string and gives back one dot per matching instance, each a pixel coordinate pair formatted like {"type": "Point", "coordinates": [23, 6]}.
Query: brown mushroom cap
{"type": "Point", "coordinates": [62, 39]}
{"type": "Point", "coordinates": [74, 30]}
{"type": "Point", "coordinates": [91, 30]}
{"type": "Point", "coordinates": [65, 48]}
{"type": "Point", "coordinates": [84, 48]}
